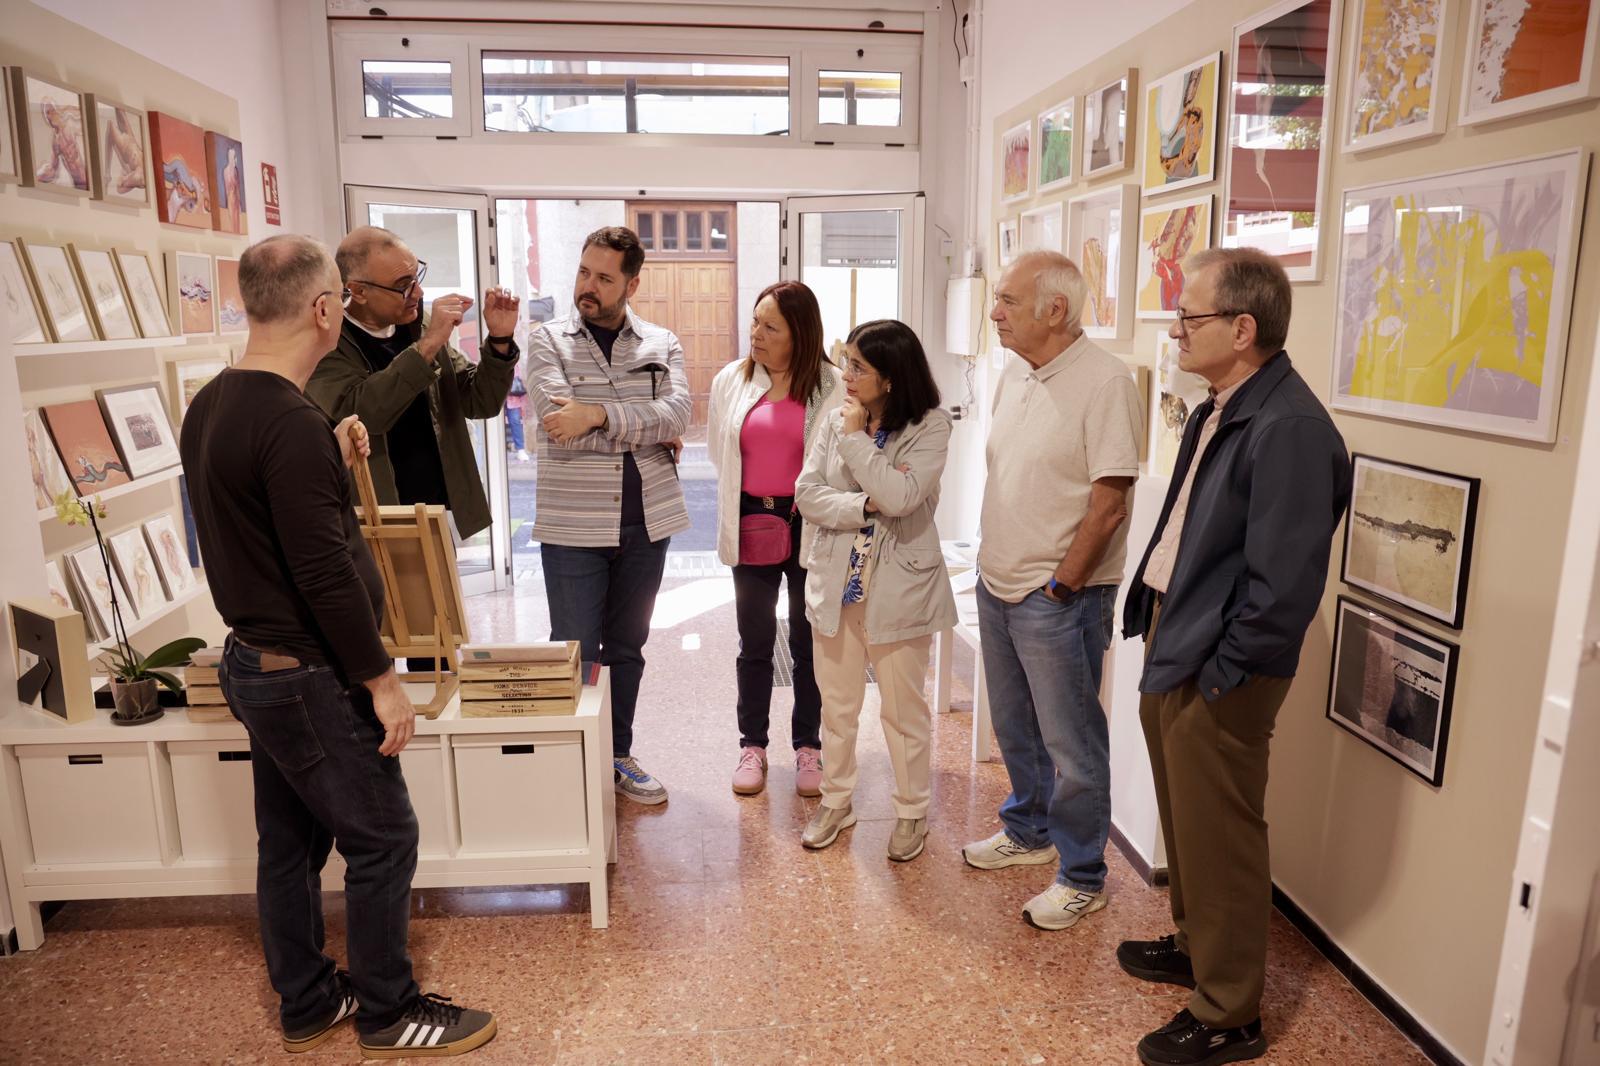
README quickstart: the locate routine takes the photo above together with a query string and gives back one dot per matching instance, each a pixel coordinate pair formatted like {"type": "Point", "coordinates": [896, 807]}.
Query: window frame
{"type": "Point", "coordinates": [881, 56]}
{"type": "Point", "coordinates": [352, 49]}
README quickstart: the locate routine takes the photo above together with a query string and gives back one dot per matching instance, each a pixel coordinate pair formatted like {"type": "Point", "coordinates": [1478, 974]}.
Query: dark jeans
{"type": "Point", "coordinates": [755, 600]}
{"type": "Point", "coordinates": [320, 782]}
{"type": "Point", "coordinates": [514, 427]}
{"type": "Point", "coordinates": [603, 598]}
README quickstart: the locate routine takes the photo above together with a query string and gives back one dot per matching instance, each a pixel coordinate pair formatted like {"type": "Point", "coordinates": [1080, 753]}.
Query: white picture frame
{"type": "Point", "coordinates": [1164, 110]}
{"type": "Point", "coordinates": [192, 290]}
{"type": "Point", "coordinates": [1041, 229]}
{"type": "Point", "coordinates": [1109, 218]}
{"type": "Point", "coordinates": [94, 588]}
{"type": "Point", "coordinates": [102, 286]}
{"type": "Point", "coordinates": [1487, 48]}
{"type": "Point", "coordinates": [1110, 114]}
{"type": "Point", "coordinates": [1008, 240]}
{"type": "Point", "coordinates": [1016, 163]}
{"type": "Point", "coordinates": [1386, 37]}
{"type": "Point", "coordinates": [165, 538]}
{"type": "Point", "coordinates": [137, 569]}
{"type": "Point", "coordinates": [144, 293]}
{"type": "Point", "coordinates": [185, 377]}
{"type": "Point", "coordinates": [137, 419]}
{"type": "Point", "coordinates": [1048, 125]}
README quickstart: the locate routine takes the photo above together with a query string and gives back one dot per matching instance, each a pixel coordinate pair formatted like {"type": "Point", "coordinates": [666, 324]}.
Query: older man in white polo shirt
{"type": "Point", "coordinates": [1062, 458]}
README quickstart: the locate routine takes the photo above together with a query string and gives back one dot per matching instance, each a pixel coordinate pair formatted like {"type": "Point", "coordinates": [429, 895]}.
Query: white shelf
{"type": "Point", "coordinates": [148, 620]}
{"type": "Point", "coordinates": [71, 347]}
{"type": "Point", "coordinates": [171, 473]}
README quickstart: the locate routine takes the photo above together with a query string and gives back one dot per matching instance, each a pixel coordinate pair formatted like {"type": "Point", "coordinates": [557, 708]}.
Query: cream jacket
{"type": "Point", "coordinates": [909, 595]}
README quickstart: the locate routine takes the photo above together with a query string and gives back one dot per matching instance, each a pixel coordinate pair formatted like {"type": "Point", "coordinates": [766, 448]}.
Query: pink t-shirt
{"type": "Point", "coordinates": [772, 447]}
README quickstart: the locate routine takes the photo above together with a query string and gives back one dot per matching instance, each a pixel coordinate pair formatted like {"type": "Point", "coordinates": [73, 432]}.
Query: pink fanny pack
{"type": "Point", "coordinates": [765, 539]}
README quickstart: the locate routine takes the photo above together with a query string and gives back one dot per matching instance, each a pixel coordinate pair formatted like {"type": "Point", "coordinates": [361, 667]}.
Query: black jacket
{"type": "Point", "coordinates": [1253, 556]}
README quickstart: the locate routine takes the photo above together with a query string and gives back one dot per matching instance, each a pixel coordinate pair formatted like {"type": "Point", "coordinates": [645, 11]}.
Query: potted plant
{"type": "Point", "coordinates": [134, 677]}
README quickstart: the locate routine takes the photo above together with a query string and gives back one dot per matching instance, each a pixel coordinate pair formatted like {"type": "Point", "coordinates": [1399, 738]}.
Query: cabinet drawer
{"type": "Point", "coordinates": [215, 798]}
{"type": "Point", "coordinates": [421, 764]}
{"type": "Point", "coordinates": [89, 803]}
{"type": "Point", "coordinates": [521, 792]}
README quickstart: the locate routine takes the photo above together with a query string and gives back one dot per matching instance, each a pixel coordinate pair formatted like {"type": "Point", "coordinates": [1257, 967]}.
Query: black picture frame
{"type": "Point", "coordinates": [1413, 729]}
{"type": "Point", "coordinates": [1412, 525]}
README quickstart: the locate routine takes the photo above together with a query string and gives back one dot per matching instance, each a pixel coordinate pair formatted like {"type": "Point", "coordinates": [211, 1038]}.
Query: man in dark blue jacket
{"type": "Point", "coordinates": [1233, 576]}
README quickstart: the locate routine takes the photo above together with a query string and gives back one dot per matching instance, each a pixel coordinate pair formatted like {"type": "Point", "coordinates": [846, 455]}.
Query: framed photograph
{"type": "Point", "coordinates": [9, 167]}
{"type": "Point", "coordinates": [1392, 686]}
{"type": "Point", "coordinates": [119, 152]}
{"type": "Point", "coordinates": [1108, 115]}
{"type": "Point", "coordinates": [52, 145]}
{"type": "Point", "coordinates": [94, 589]}
{"type": "Point", "coordinates": [1016, 163]}
{"type": "Point", "coordinates": [1397, 91]}
{"type": "Point", "coordinates": [172, 559]}
{"type": "Point", "coordinates": [1041, 229]}
{"type": "Point", "coordinates": [1008, 239]}
{"type": "Point", "coordinates": [1527, 55]}
{"type": "Point", "coordinates": [139, 425]}
{"type": "Point", "coordinates": [84, 444]}
{"type": "Point", "coordinates": [50, 478]}
{"type": "Point", "coordinates": [1180, 127]}
{"type": "Point", "coordinates": [1168, 235]}
{"type": "Point", "coordinates": [1283, 94]}
{"type": "Point", "coordinates": [1055, 145]}
{"type": "Point", "coordinates": [229, 300]}
{"type": "Point", "coordinates": [225, 164]}
{"type": "Point", "coordinates": [144, 293]}
{"type": "Point", "coordinates": [1408, 537]}
{"type": "Point", "coordinates": [17, 296]}
{"type": "Point", "coordinates": [1100, 241]}
{"type": "Point", "coordinates": [53, 640]}
{"type": "Point", "coordinates": [192, 288]}
{"type": "Point", "coordinates": [66, 311]}
{"type": "Point", "coordinates": [1173, 399]}
{"type": "Point", "coordinates": [185, 379]}
{"type": "Point", "coordinates": [1478, 266]}
{"type": "Point", "coordinates": [137, 569]}
{"type": "Point", "coordinates": [108, 304]}
{"type": "Point", "coordinates": [178, 160]}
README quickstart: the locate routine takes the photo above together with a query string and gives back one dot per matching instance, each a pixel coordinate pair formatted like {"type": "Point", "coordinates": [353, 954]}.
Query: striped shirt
{"type": "Point", "coordinates": [579, 489]}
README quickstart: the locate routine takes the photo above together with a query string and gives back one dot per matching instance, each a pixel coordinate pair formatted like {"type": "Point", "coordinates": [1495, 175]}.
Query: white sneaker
{"type": "Point", "coordinates": [1000, 851]}
{"type": "Point", "coordinates": [522, 455]}
{"type": "Point", "coordinates": [631, 780]}
{"type": "Point", "coordinates": [1061, 906]}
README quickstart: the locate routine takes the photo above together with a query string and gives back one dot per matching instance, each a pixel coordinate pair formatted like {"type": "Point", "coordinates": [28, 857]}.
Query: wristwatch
{"type": "Point", "coordinates": [1050, 590]}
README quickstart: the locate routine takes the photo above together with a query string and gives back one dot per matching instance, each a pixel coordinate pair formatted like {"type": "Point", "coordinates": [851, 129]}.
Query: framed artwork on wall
{"type": "Point", "coordinates": [1282, 94]}
{"type": "Point", "coordinates": [84, 444]}
{"type": "Point", "coordinates": [1392, 686]}
{"type": "Point", "coordinates": [1396, 75]}
{"type": "Point", "coordinates": [52, 142]}
{"type": "Point", "coordinates": [1108, 115]}
{"type": "Point", "coordinates": [1055, 132]}
{"type": "Point", "coordinates": [1477, 266]}
{"type": "Point", "coordinates": [192, 287]}
{"type": "Point", "coordinates": [17, 296]}
{"type": "Point", "coordinates": [108, 304]}
{"type": "Point", "coordinates": [1016, 163]}
{"type": "Point", "coordinates": [1408, 536]}
{"type": "Point", "coordinates": [59, 294]}
{"type": "Point", "coordinates": [144, 293]}
{"type": "Point", "coordinates": [9, 167]}
{"type": "Point", "coordinates": [1175, 395]}
{"type": "Point", "coordinates": [230, 301]}
{"type": "Point", "coordinates": [1100, 230]}
{"type": "Point", "coordinates": [1041, 229]}
{"type": "Point", "coordinates": [1527, 55]}
{"type": "Point", "coordinates": [186, 377]}
{"type": "Point", "coordinates": [119, 152]}
{"type": "Point", "coordinates": [1169, 234]}
{"type": "Point", "coordinates": [225, 164]}
{"type": "Point", "coordinates": [178, 162]}
{"type": "Point", "coordinates": [1007, 241]}
{"type": "Point", "coordinates": [140, 427]}
{"type": "Point", "coordinates": [1180, 127]}
{"type": "Point", "coordinates": [172, 559]}
{"type": "Point", "coordinates": [50, 478]}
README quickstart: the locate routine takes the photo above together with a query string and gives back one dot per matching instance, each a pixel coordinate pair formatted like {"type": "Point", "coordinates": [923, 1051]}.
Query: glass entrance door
{"type": "Point", "coordinates": [861, 255]}
{"type": "Point", "coordinates": [451, 233]}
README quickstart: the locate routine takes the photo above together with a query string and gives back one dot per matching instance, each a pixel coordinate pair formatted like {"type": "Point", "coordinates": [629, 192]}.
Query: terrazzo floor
{"type": "Point", "coordinates": [728, 943]}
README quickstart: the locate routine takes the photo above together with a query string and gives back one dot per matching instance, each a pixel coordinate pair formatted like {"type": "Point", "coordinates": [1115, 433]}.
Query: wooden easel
{"type": "Point", "coordinates": [422, 610]}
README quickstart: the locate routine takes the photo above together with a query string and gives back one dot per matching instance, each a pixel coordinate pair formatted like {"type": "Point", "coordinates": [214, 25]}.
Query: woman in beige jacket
{"type": "Point", "coordinates": [876, 586]}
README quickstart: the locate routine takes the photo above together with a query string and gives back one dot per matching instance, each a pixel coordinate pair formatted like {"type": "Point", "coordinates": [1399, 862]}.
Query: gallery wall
{"type": "Point", "coordinates": [1412, 880]}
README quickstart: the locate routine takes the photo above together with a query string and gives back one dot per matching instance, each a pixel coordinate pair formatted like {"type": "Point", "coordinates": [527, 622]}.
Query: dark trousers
{"type": "Point", "coordinates": [755, 601]}
{"type": "Point", "coordinates": [320, 783]}
{"type": "Point", "coordinates": [603, 598]}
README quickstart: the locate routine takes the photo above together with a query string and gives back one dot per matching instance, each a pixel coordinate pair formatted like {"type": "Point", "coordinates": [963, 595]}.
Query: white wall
{"type": "Point", "coordinates": [756, 231]}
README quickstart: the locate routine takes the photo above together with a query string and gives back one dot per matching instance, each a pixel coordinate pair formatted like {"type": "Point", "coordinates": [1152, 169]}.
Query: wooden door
{"type": "Point", "coordinates": [696, 302]}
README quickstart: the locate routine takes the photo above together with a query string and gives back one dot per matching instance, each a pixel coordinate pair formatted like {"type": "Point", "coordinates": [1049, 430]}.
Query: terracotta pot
{"type": "Point", "coordinates": [135, 700]}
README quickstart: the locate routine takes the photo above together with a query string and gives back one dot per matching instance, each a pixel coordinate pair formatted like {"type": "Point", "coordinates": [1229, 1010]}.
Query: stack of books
{"type": "Point", "coordinates": [206, 703]}
{"type": "Point", "coordinates": [513, 680]}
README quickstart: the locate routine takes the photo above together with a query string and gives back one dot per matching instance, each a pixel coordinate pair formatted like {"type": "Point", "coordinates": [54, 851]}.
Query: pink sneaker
{"type": "Point", "coordinates": [751, 775]}
{"type": "Point", "coordinates": [808, 772]}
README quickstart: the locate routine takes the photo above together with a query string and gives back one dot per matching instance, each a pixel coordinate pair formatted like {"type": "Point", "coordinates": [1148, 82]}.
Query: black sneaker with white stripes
{"type": "Point", "coordinates": [1187, 1041]}
{"type": "Point", "coordinates": [316, 1034]}
{"type": "Point", "coordinates": [431, 1026]}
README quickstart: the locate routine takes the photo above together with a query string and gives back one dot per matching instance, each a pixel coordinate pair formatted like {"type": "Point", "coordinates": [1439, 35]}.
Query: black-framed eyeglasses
{"type": "Point", "coordinates": [1184, 320]}
{"type": "Point", "coordinates": [399, 290]}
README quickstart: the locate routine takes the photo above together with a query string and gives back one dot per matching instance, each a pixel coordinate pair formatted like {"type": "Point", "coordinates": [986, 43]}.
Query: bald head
{"type": "Point", "coordinates": [281, 277]}
{"type": "Point", "coordinates": [358, 247]}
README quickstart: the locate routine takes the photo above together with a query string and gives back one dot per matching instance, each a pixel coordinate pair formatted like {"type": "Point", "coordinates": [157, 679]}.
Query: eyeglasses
{"type": "Point", "coordinates": [399, 289]}
{"type": "Point", "coordinates": [856, 369]}
{"type": "Point", "coordinates": [1184, 320]}
{"type": "Point", "coordinates": [343, 294]}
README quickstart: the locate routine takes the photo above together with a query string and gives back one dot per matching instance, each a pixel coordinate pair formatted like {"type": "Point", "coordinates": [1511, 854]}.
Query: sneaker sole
{"type": "Point", "coordinates": [470, 1042]}
{"type": "Point", "coordinates": [295, 1047]}
{"type": "Point", "coordinates": [1157, 977]}
{"type": "Point", "coordinates": [808, 793]}
{"type": "Point", "coordinates": [841, 827]}
{"type": "Point", "coordinates": [1236, 1053]}
{"type": "Point", "coordinates": [1043, 858]}
{"type": "Point", "coordinates": [751, 791]}
{"type": "Point", "coordinates": [1080, 916]}
{"type": "Point", "coordinates": [648, 801]}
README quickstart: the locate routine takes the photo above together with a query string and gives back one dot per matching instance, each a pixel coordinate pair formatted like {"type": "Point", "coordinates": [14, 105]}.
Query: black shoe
{"type": "Point", "coordinates": [1156, 960]}
{"type": "Point", "coordinates": [432, 1025]}
{"type": "Point", "coordinates": [1186, 1041]}
{"type": "Point", "coordinates": [314, 1035]}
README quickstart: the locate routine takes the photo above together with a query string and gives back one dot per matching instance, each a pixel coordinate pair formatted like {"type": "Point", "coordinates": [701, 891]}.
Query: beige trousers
{"type": "Point", "coordinates": [840, 662]}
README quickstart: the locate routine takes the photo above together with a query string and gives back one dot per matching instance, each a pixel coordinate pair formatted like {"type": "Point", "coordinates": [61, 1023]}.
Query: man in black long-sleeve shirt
{"type": "Point", "coordinates": [306, 672]}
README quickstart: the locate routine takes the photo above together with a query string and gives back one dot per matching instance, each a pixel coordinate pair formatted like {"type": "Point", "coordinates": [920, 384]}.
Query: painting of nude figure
{"type": "Point", "coordinates": [178, 160]}
{"type": "Point", "coordinates": [53, 147]}
{"type": "Point", "coordinates": [121, 155]}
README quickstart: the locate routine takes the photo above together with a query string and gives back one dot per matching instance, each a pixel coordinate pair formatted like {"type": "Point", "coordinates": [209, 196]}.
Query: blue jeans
{"type": "Point", "coordinates": [603, 598]}
{"type": "Point", "coordinates": [514, 427]}
{"type": "Point", "coordinates": [320, 782]}
{"type": "Point", "coordinates": [1042, 660]}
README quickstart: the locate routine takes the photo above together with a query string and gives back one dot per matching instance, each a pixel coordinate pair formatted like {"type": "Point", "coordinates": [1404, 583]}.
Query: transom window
{"type": "Point", "coordinates": [684, 230]}
{"type": "Point", "coordinates": [407, 90]}
{"type": "Point", "coordinates": [858, 97]}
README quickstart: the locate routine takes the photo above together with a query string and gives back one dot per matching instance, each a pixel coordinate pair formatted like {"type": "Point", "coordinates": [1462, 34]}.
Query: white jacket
{"type": "Point", "coordinates": [732, 400]}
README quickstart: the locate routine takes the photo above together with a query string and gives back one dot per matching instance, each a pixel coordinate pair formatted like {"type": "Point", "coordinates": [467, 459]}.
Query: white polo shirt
{"type": "Point", "coordinates": [1055, 431]}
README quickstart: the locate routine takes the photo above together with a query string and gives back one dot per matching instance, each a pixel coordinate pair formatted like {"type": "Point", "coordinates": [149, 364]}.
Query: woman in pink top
{"type": "Point", "coordinates": [764, 410]}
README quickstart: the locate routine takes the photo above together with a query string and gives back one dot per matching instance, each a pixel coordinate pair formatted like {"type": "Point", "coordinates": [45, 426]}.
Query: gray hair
{"type": "Point", "coordinates": [1056, 275]}
{"type": "Point", "coordinates": [281, 277]}
{"type": "Point", "coordinates": [358, 246]}
{"type": "Point", "coordinates": [1250, 282]}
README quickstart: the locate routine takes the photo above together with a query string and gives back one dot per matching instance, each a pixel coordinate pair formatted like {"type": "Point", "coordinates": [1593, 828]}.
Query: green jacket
{"type": "Point", "coordinates": [345, 383]}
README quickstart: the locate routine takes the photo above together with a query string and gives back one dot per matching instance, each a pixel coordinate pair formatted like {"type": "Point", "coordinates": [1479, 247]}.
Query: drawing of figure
{"type": "Point", "coordinates": [1180, 145]}
{"type": "Point", "coordinates": [1102, 306]}
{"type": "Point", "coordinates": [1170, 249]}
{"type": "Point", "coordinates": [144, 582]}
{"type": "Point", "coordinates": [66, 145]}
{"type": "Point", "coordinates": [230, 189]}
{"type": "Point", "coordinates": [173, 561]}
{"type": "Point", "coordinates": [123, 145]}
{"type": "Point", "coordinates": [185, 192]}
